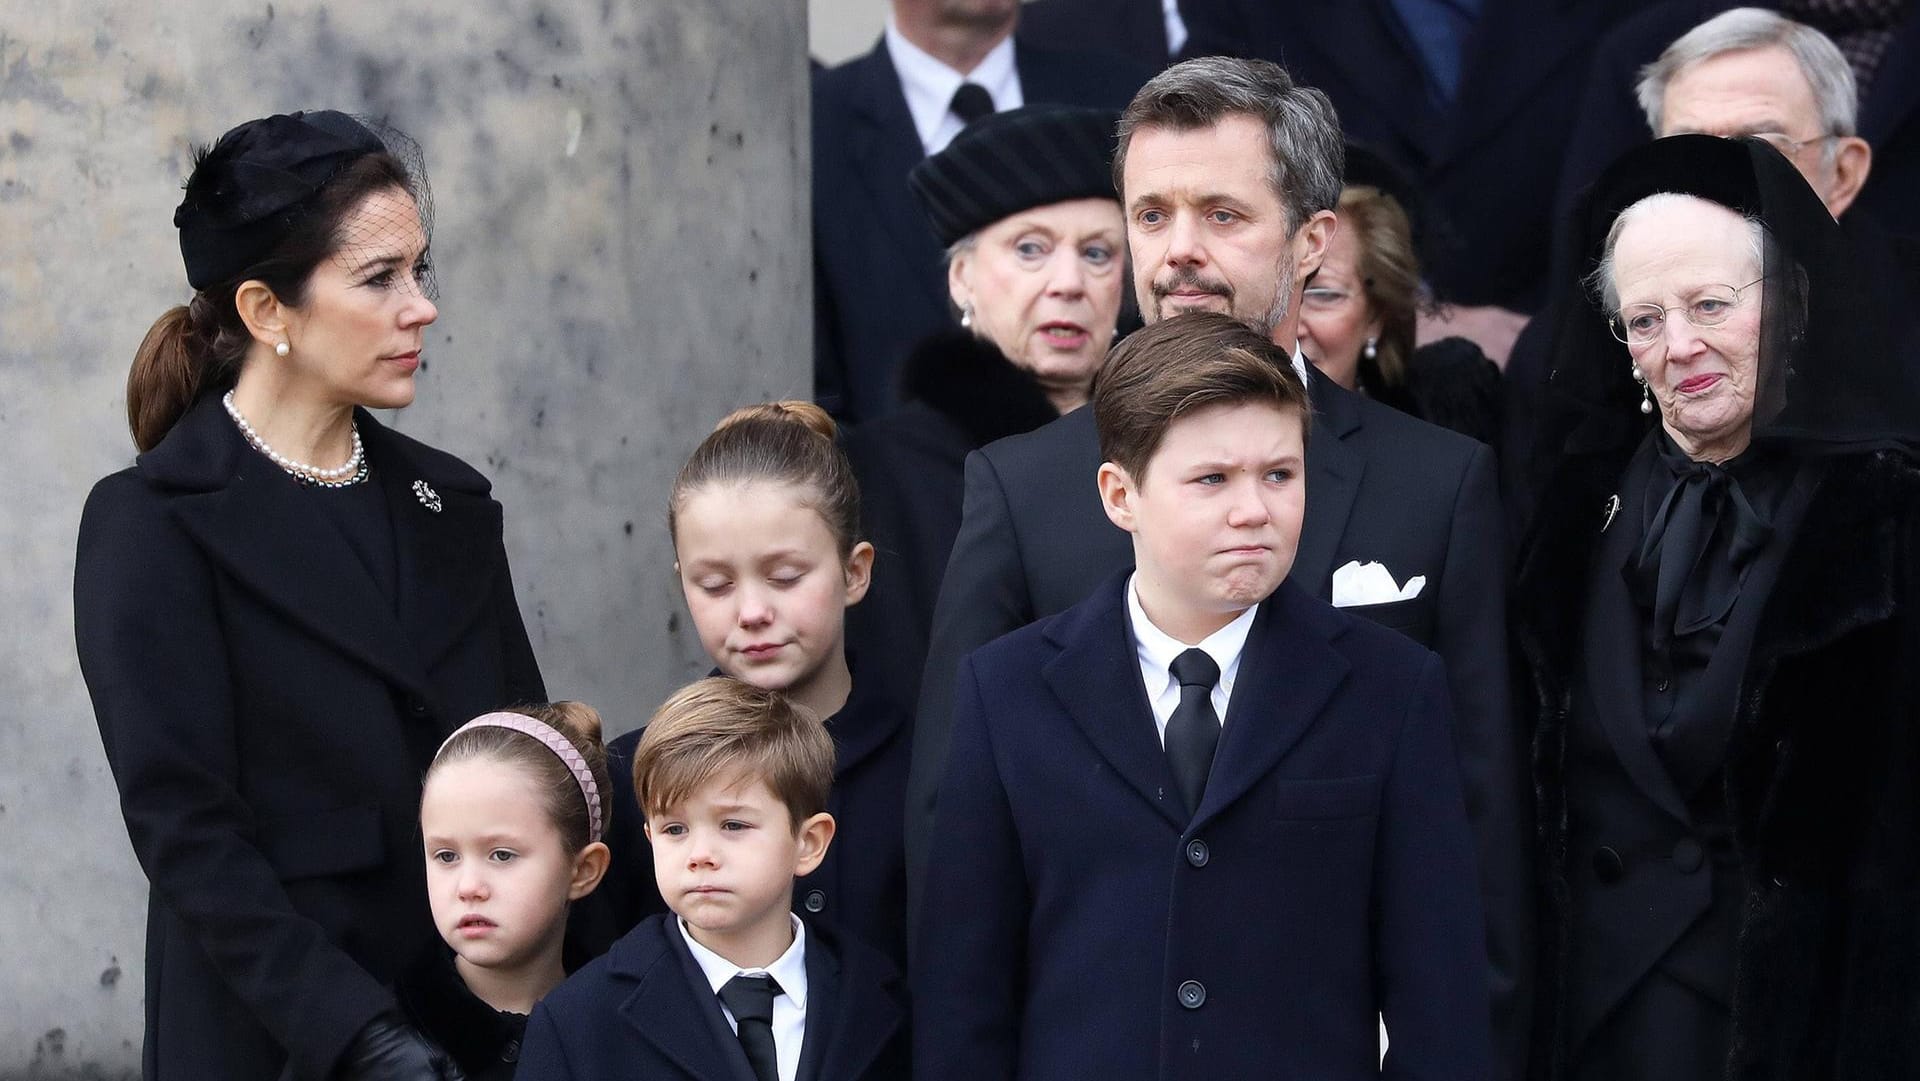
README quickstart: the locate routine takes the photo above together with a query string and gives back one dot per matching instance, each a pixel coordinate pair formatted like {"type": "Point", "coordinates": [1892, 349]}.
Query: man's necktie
{"type": "Point", "coordinates": [971, 102]}
{"type": "Point", "coordinates": [750, 1000]}
{"type": "Point", "coordinates": [1194, 729]}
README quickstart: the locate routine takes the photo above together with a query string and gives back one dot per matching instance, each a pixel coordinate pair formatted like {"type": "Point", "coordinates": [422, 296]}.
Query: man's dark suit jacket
{"type": "Point", "coordinates": [1489, 161]}
{"type": "Point", "coordinates": [1381, 487]}
{"type": "Point", "coordinates": [645, 1011]}
{"type": "Point", "coordinates": [1079, 922]}
{"type": "Point", "coordinates": [1130, 28]}
{"type": "Point", "coordinates": [879, 275]}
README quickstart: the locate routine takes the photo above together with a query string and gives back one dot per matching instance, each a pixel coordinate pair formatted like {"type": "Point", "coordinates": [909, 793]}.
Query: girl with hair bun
{"type": "Point", "coordinates": [511, 817]}
{"type": "Point", "coordinates": [765, 518]}
{"type": "Point", "coordinates": [282, 608]}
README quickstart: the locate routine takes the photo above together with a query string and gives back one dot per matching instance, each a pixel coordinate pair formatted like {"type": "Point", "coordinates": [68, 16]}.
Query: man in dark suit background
{"type": "Point", "coordinates": [1228, 173]}
{"type": "Point", "coordinates": [1151, 32]}
{"type": "Point", "coordinates": [880, 283]}
{"type": "Point", "coordinates": [1200, 825]}
{"type": "Point", "coordinates": [1469, 97]}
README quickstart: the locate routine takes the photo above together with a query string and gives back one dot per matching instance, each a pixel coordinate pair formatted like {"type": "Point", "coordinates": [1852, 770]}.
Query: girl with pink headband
{"type": "Point", "coordinates": [511, 819]}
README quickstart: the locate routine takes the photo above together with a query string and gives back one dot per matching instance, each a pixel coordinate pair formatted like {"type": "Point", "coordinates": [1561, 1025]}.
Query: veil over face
{"type": "Point", "coordinates": [1828, 380]}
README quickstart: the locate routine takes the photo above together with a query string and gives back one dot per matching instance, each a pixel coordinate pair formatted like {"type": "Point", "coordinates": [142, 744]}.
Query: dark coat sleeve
{"type": "Point", "coordinates": [154, 657]}
{"type": "Point", "coordinates": [969, 946]}
{"type": "Point", "coordinates": [542, 1055]}
{"type": "Point", "coordinates": [1429, 955]}
{"type": "Point", "coordinates": [982, 597]}
{"type": "Point", "coordinates": [1471, 634]}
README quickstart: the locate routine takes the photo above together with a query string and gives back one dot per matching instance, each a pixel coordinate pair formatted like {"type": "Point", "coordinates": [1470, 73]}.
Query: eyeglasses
{"type": "Point", "coordinates": [1639, 324]}
{"type": "Point", "coordinates": [1321, 298]}
{"type": "Point", "coordinates": [1787, 146]}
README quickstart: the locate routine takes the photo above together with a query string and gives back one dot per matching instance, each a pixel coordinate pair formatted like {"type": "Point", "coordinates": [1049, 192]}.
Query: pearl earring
{"type": "Point", "coordinates": [1372, 349]}
{"type": "Point", "coordinates": [966, 316]}
{"type": "Point", "coordinates": [282, 349]}
{"type": "Point", "coordinates": [1646, 392]}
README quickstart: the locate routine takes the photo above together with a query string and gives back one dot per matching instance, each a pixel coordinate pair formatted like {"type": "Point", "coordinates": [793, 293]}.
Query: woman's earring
{"type": "Point", "coordinates": [966, 315]}
{"type": "Point", "coordinates": [1646, 392]}
{"type": "Point", "coordinates": [1372, 348]}
{"type": "Point", "coordinates": [282, 349]}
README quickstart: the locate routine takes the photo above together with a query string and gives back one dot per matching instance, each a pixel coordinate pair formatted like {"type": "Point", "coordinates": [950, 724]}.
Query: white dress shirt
{"type": "Point", "coordinates": [929, 85]}
{"type": "Point", "coordinates": [789, 1006]}
{"type": "Point", "coordinates": [1176, 27]}
{"type": "Point", "coordinates": [1156, 650]}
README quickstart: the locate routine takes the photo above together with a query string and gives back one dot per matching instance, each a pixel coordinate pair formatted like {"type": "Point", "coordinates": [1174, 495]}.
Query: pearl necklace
{"type": "Point", "coordinates": [353, 472]}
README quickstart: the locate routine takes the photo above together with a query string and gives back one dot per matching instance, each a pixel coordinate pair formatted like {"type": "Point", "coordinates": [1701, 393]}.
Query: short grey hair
{"type": "Point", "coordinates": [1601, 283]}
{"type": "Point", "coordinates": [1827, 72]}
{"type": "Point", "coordinates": [1309, 153]}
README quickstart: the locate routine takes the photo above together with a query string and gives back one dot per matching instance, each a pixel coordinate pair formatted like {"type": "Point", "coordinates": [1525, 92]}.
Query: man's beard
{"type": "Point", "coordinates": [1265, 322]}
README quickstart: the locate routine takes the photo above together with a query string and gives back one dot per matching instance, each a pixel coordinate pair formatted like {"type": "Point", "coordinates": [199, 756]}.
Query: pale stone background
{"type": "Point", "coordinates": [622, 245]}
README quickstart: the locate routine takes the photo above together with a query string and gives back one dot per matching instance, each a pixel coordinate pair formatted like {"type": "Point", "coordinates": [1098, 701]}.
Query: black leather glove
{"type": "Point", "coordinates": [389, 1049]}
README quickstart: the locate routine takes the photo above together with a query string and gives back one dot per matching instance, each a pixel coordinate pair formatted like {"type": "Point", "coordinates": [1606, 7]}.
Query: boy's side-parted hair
{"type": "Point", "coordinates": [720, 725]}
{"type": "Point", "coordinates": [1177, 365]}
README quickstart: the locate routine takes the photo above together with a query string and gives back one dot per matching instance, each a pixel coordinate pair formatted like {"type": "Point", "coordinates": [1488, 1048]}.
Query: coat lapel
{"type": "Point", "coordinates": [1517, 45]}
{"type": "Point", "coordinates": [850, 1018]}
{"type": "Point", "coordinates": [262, 527]}
{"type": "Point", "coordinates": [448, 559]}
{"type": "Point", "coordinates": [674, 1010]}
{"type": "Point", "coordinates": [1365, 51]}
{"type": "Point", "coordinates": [1288, 672]}
{"type": "Point", "coordinates": [1334, 470]}
{"type": "Point", "coordinates": [886, 147]}
{"type": "Point", "coordinates": [1096, 678]}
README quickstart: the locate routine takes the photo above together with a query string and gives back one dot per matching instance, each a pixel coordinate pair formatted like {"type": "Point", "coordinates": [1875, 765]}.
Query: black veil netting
{"type": "Point", "coordinates": [258, 182]}
{"type": "Point", "coordinates": [1828, 379]}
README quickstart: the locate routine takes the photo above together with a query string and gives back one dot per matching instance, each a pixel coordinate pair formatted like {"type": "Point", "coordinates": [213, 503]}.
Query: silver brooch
{"type": "Point", "coordinates": [1613, 508]}
{"type": "Point", "coordinates": [430, 499]}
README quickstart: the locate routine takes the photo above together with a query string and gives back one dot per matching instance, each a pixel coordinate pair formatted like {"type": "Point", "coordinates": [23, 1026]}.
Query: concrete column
{"type": "Point", "coordinates": [622, 245]}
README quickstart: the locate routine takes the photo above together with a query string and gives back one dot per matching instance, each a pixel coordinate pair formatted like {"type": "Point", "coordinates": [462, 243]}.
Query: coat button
{"type": "Point", "coordinates": [1783, 748]}
{"type": "Point", "coordinates": [416, 706]}
{"type": "Point", "coordinates": [815, 901]}
{"type": "Point", "coordinates": [1607, 865]}
{"type": "Point", "coordinates": [511, 1052]}
{"type": "Point", "coordinates": [1688, 855]}
{"type": "Point", "coordinates": [1663, 686]}
{"type": "Point", "coordinates": [1193, 994]}
{"type": "Point", "coordinates": [1197, 853]}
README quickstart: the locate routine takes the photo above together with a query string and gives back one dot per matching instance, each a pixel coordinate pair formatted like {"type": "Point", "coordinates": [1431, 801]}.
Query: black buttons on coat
{"type": "Point", "coordinates": [815, 901]}
{"type": "Point", "coordinates": [417, 706]}
{"type": "Point", "coordinates": [1197, 853]}
{"type": "Point", "coordinates": [1688, 856]}
{"type": "Point", "coordinates": [1193, 994]}
{"type": "Point", "coordinates": [511, 1052]}
{"type": "Point", "coordinates": [1608, 867]}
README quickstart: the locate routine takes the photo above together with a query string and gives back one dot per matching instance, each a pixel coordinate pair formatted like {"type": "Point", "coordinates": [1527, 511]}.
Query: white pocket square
{"type": "Point", "coordinates": [1358, 584]}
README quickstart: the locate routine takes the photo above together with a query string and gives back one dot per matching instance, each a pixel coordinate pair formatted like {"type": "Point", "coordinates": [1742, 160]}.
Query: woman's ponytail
{"type": "Point", "coordinates": [166, 375]}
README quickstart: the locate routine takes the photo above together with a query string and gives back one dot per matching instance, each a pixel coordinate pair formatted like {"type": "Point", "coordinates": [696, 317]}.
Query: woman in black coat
{"type": "Point", "coordinates": [274, 647]}
{"type": "Point", "coordinates": [1719, 607]}
{"type": "Point", "coordinates": [1024, 203]}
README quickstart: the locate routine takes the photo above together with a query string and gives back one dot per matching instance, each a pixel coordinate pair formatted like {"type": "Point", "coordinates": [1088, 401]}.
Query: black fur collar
{"type": "Point", "coordinates": [970, 382]}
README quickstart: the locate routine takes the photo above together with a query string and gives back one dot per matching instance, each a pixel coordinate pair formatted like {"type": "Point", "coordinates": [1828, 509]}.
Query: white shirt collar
{"type": "Point", "coordinates": [929, 85]}
{"type": "Point", "coordinates": [1155, 649]}
{"type": "Point", "coordinates": [790, 971]}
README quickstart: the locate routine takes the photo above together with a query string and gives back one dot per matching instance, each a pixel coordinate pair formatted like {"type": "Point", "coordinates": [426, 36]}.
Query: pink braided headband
{"type": "Point", "coordinates": [555, 742]}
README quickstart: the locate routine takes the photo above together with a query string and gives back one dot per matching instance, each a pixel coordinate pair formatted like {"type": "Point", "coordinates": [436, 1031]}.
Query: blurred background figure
{"type": "Point", "coordinates": [1724, 565]}
{"type": "Point", "coordinates": [1150, 32]}
{"type": "Point", "coordinates": [1358, 315]}
{"type": "Point", "coordinates": [879, 281]}
{"type": "Point", "coordinates": [1024, 203]}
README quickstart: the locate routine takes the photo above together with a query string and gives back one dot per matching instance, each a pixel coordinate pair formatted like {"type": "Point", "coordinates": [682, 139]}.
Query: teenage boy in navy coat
{"type": "Point", "coordinates": [730, 985]}
{"type": "Point", "coordinates": [1122, 886]}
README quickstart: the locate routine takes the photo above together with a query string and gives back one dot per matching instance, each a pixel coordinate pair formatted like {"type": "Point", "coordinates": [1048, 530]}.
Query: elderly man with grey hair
{"type": "Point", "coordinates": [1229, 173]}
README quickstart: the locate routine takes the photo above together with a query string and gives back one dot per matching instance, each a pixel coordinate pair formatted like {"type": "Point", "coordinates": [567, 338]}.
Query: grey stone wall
{"type": "Point", "coordinates": [622, 248]}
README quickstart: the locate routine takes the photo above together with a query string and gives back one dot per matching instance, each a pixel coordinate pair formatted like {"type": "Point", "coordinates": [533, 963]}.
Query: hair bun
{"type": "Point", "coordinates": [787, 411]}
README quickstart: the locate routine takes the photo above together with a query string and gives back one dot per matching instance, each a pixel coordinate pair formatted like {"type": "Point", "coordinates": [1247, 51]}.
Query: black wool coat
{"type": "Point", "coordinates": [1819, 776]}
{"type": "Point", "coordinates": [268, 711]}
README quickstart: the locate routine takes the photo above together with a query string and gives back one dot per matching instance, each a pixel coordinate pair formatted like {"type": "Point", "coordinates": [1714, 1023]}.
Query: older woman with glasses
{"type": "Point", "coordinates": [1358, 314]}
{"type": "Point", "coordinates": [1719, 610]}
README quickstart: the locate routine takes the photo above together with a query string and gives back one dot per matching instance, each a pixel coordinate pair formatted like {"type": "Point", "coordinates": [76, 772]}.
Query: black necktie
{"type": "Point", "coordinates": [971, 102]}
{"type": "Point", "coordinates": [750, 1000]}
{"type": "Point", "coordinates": [1194, 729]}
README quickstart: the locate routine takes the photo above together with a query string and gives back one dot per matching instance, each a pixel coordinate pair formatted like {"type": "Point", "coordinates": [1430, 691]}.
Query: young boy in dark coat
{"type": "Point", "coordinates": [729, 985]}
{"type": "Point", "coordinates": [1124, 886]}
